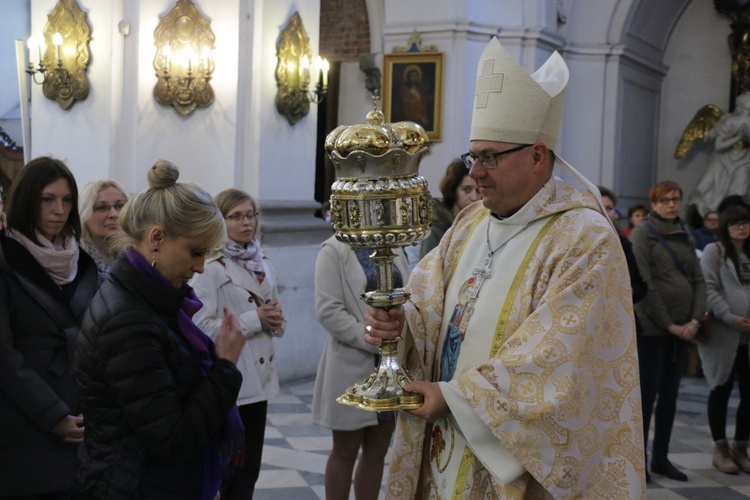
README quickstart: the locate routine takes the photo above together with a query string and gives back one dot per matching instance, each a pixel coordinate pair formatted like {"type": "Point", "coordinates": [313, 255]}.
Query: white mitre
{"type": "Point", "coordinates": [512, 106]}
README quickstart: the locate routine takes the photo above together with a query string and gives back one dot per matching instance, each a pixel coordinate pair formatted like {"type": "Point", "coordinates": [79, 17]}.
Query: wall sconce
{"type": "Point", "coordinates": [58, 61]}
{"type": "Point", "coordinates": [293, 71]}
{"type": "Point", "coordinates": [184, 59]}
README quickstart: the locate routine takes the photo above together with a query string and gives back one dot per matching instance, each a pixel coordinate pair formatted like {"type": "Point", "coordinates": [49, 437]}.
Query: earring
{"type": "Point", "coordinates": [153, 257]}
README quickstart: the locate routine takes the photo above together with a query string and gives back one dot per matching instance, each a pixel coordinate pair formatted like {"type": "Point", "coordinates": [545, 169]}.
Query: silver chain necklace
{"type": "Point", "coordinates": [481, 273]}
{"type": "Point", "coordinates": [491, 252]}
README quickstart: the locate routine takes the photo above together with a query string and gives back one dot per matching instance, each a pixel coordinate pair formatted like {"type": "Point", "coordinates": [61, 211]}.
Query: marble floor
{"type": "Point", "coordinates": [295, 453]}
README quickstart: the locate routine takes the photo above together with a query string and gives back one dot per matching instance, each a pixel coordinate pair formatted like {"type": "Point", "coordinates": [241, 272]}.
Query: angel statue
{"type": "Point", "coordinates": [728, 171]}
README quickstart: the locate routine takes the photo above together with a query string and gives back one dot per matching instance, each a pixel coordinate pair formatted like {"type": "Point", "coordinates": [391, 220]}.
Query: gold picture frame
{"type": "Point", "coordinates": [413, 90]}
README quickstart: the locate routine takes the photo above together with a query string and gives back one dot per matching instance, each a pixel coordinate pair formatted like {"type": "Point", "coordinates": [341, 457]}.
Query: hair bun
{"type": "Point", "coordinates": [162, 174]}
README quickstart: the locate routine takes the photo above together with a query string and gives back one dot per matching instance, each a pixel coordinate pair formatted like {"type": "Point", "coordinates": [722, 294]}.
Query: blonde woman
{"type": "Point", "coordinates": [241, 278]}
{"type": "Point", "coordinates": [100, 204]}
{"type": "Point", "coordinates": [157, 393]}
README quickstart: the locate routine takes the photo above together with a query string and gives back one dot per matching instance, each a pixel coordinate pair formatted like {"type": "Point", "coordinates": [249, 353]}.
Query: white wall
{"type": "Point", "coordinates": [203, 143]}
{"type": "Point", "coordinates": [14, 24]}
{"type": "Point", "coordinates": [120, 130]}
{"type": "Point", "coordinates": [287, 153]}
{"type": "Point", "coordinates": [79, 136]}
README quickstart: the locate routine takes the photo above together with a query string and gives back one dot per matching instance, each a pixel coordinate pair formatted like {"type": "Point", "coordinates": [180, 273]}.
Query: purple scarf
{"type": "Point", "coordinates": [225, 447]}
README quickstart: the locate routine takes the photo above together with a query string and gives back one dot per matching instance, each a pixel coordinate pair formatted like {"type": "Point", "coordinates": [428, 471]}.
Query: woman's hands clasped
{"type": "Point", "coordinates": [70, 429]}
{"type": "Point", "coordinates": [230, 339]}
{"type": "Point", "coordinates": [271, 316]}
{"type": "Point", "coordinates": [686, 332]}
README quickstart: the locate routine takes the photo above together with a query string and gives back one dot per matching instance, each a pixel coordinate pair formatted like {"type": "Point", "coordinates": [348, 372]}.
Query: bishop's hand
{"type": "Point", "coordinates": [381, 324]}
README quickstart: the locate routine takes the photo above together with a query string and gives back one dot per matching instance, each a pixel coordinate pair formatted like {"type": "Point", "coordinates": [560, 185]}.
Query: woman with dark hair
{"type": "Point", "coordinates": [46, 284]}
{"type": "Point", "coordinates": [670, 314]}
{"type": "Point", "coordinates": [158, 394]}
{"type": "Point", "coordinates": [636, 214]}
{"type": "Point", "coordinates": [724, 354]}
{"type": "Point", "coordinates": [458, 190]}
{"type": "Point", "coordinates": [241, 278]}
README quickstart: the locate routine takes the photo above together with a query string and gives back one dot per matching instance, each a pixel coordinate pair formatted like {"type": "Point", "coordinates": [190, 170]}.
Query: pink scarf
{"type": "Point", "coordinates": [58, 258]}
{"type": "Point", "coordinates": [249, 257]}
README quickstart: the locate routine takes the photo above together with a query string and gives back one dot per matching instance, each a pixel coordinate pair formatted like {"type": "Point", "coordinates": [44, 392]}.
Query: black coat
{"type": "Point", "coordinates": [37, 388]}
{"type": "Point", "coordinates": [149, 409]}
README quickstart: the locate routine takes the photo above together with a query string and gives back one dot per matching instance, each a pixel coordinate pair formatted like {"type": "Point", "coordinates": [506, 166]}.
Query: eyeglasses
{"type": "Point", "coordinates": [241, 217]}
{"type": "Point", "coordinates": [103, 208]}
{"type": "Point", "coordinates": [667, 201]}
{"type": "Point", "coordinates": [739, 224]}
{"type": "Point", "coordinates": [489, 160]}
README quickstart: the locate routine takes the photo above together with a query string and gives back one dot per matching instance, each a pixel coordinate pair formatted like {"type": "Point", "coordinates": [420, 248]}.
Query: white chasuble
{"type": "Point", "coordinates": [518, 371]}
{"type": "Point", "coordinates": [478, 313]}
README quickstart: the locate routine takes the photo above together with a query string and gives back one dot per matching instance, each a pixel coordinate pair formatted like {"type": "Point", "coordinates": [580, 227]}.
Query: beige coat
{"type": "Point", "coordinates": [347, 358]}
{"type": "Point", "coordinates": [226, 283]}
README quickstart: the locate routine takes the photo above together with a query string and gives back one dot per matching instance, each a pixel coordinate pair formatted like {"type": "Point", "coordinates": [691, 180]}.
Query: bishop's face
{"type": "Point", "coordinates": [511, 182]}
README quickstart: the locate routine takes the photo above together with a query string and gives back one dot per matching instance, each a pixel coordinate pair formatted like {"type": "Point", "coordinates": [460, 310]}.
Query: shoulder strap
{"type": "Point", "coordinates": [59, 314]}
{"type": "Point", "coordinates": [663, 243]}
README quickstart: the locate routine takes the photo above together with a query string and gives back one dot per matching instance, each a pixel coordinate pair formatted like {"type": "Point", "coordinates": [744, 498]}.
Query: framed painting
{"type": "Point", "coordinates": [412, 89]}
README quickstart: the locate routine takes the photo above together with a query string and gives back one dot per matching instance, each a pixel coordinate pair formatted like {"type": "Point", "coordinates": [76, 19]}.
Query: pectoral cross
{"type": "Point", "coordinates": [478, 275]}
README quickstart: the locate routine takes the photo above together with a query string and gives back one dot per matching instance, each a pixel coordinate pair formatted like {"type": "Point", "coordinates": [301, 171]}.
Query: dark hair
{"type": "Point", "coordinates": [634, 208]}
{"type": "Point", "coordinates": [661, 189]}
{"type": "Point", "coordinates": [453, 177]}
{"type": "Point", "coordinates": [25, 196]}
{"type": "Point", "coordinates": [731, 214]}
{"type": "Point", "coordinates": [734, 199]}
{"type": "Point", "coordinates": [608, 193]}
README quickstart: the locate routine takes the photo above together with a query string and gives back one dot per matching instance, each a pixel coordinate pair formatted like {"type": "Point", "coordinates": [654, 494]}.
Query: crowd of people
{"type": "Point", "coordinates": [137, 332]}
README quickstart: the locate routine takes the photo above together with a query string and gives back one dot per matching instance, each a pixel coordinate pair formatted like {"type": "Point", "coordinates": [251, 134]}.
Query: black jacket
{"type": "Point", "coordinates": [37, 388]}
{"type": "Point", "coordinates": [149, 410]}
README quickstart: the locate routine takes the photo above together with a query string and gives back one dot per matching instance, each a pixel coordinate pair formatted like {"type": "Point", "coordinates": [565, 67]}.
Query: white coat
{"type": "Point", "coordinates": [225, 282]}
{"type": "Point", "coordinates": [347, 359]}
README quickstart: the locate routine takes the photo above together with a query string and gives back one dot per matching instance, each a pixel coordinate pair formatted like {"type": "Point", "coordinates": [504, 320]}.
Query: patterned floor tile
{"type": "Point", "coordinates": [296, 451]}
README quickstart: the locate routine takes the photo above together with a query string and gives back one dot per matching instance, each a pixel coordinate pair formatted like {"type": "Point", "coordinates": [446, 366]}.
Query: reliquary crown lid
{"type": "Point", "coordinates": [377, 149]}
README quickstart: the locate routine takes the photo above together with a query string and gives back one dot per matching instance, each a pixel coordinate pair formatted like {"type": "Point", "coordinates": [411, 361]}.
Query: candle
{"type": "Point", "coordinates": [304, 71]}
{"type": "Point", "coordinates": [31, 51]}
{"type": "Point", "coordinates": [291, 74]}
{"type": "Point", "coordinates": [188, 52]}
{"type": "Point", "coordinates": [324, 67]}
{"type": "Point", "coordinates": [167, 52]}
{"type": "Point", "coordinates": [205, 56]}
{"type": "Point", "coordinates": [317, 69]}
{"type": "Point", "coordinates": [57, 40]}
